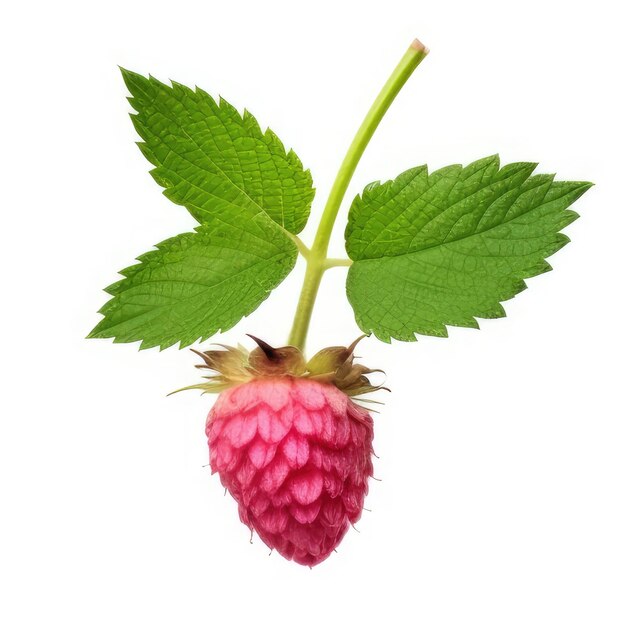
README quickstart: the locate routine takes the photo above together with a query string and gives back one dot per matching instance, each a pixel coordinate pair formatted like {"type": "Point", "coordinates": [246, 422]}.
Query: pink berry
{"type": "Point", "coordinates": [296, 456]}
{"type": "Point", "coordinates": [289, 443]}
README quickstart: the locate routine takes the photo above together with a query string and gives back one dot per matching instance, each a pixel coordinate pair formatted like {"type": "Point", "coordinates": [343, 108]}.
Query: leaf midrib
{"type": "Point", "coordinates": [223, 174]}
{"type": "Point", "coordinates": [179, 301]}
{"type": "Point", "coordinates": [468, 236]}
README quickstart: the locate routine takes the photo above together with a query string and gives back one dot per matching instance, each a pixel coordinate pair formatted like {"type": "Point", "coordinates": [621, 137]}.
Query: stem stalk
{"type": "Point", "coordinates": [317, 262]}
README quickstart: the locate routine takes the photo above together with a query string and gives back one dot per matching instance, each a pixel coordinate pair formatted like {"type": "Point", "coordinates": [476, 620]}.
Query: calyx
{"type": "Point", "coordinates": [234, 366]}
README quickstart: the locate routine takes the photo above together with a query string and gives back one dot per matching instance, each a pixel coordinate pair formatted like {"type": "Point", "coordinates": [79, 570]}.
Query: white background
{"type": "Point", "coordinates": [502, 451]}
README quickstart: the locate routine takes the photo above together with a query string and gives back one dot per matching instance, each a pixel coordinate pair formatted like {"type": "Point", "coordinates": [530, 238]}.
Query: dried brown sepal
{"type": "Point", "coordinates": [234, 366]}
{"type": "Point", "coordinates": [265, 360]}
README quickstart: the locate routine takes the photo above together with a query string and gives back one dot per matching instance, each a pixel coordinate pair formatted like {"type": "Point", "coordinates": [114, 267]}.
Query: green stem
{"type": "Point", "coordinates": [328, 263]}
{"type": "Point", "coordinates": [316, 258]}
{"type": "Point", "coordinates": [302, 249]}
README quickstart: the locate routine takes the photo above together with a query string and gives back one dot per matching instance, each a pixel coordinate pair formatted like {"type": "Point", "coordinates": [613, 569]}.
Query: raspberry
{"type": "Point", "coordinates": [296, 456]}
{"type": "Point", "coordinates": [290, 444]}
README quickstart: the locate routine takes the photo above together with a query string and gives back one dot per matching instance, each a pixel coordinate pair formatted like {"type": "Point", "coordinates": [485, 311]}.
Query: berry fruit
{"type": "Point", "coordinates": [290, 444]}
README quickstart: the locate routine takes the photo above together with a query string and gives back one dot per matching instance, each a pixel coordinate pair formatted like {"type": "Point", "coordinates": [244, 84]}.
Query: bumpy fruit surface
{"type": "Point", "coordinates": [289, 442]}
{"type": "Point", "coordinates": [295, 454]}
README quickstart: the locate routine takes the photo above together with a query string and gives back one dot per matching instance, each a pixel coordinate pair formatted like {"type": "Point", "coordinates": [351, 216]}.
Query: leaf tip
{"type": "Point", "coordinates": [98, 331]}
{"type": "Point", "coordinates": [130, 78]}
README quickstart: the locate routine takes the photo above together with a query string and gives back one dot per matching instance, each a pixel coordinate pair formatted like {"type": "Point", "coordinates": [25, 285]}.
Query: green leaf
{"type": "Point", "coordinates": [210, 158]}
{"type": "Point", "coordinates": [439, 249]}
{"type": "Point", "coordinates": [196, 284]}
